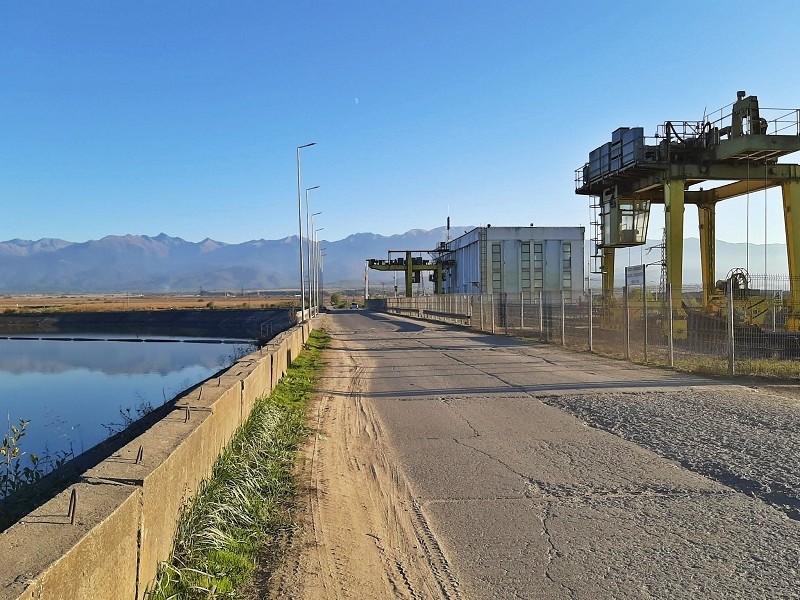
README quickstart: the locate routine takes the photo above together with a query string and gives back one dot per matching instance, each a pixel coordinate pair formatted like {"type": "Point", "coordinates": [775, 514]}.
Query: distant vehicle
{"type": "Point", "coordinates": [354, 306]}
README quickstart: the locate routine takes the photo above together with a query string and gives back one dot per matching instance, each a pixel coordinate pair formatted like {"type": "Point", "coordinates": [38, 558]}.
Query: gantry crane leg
{"type": "Point", "coordinates": [707, 216]}
{"type": "Point", "coordinates": [673, 215]}
{"type": "Point", "coordinates": [409, 276]}
{"type": "Point", "coordinates": [608, 273]}
{"type": "Point", "coordinates": [791, 216]}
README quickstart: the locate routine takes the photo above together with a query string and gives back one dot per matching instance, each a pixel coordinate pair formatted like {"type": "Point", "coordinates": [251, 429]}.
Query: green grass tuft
{"type": "Point", "coordinates": [241, 507]}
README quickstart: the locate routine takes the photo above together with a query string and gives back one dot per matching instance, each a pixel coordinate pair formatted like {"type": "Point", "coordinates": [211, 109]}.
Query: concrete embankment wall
{"type": "Point", "coordinates": [227, 322]}
{"type": "Point", "coordinates": [127, 509]}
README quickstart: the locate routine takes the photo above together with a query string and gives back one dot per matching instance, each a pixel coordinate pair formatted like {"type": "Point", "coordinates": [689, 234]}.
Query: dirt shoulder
{"type": "Point", "coordinates": [359, 533]}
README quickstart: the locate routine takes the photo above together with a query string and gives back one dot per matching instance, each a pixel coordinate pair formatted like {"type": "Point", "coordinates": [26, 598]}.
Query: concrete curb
{"type": "Point", "coordinates": [128, 505]}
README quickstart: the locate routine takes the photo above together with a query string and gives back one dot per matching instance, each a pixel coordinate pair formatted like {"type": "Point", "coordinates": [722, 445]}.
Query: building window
{"type": "Point", "coordinates": [525, 266]}
{"type": "Point", "coordinates": [566, 270]}
{"type": "Point", "coordinates": [497, 269]}
{"type": "Point", "coordinates": [538, 266]}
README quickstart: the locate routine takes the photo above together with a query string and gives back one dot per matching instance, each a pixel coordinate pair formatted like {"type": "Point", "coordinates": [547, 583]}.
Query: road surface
{"type": "Point", "coordinates": [454, 464]}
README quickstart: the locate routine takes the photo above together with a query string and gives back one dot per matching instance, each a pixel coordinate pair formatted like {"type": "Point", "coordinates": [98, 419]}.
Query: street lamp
{"type": "Point", "coordinates": [300, 225]}
{"type": "Point", "coordinates": [321, 277]}
{"type": "Point", "coordinates": [316, 264]}
{"type": "Point", "coordinates": [308, 249]}
{"type": "Point", "coordinates": [312, 270]}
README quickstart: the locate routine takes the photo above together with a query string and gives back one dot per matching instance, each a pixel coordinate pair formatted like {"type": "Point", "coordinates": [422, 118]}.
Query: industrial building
{"type": "Point", "coordinates": [510, 260]}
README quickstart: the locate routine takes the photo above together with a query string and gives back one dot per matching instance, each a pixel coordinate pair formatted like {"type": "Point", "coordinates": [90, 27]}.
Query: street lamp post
{"type": "Point", "coordinates": [321, 282]}
{"type": "Point", "coordinates": [300, 226]}
{"type": "Point", "coordinates": [309, 231]}
{"type": "Point", "coordinates": [316, 264]}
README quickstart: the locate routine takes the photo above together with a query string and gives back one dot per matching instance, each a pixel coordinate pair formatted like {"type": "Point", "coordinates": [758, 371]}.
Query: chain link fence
{"type": "Point", "coordinates": [744, 326]}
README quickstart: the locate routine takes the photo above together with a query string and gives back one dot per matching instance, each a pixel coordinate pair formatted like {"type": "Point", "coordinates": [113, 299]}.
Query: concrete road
{"type": "Point", "coordinates": [544, 473]}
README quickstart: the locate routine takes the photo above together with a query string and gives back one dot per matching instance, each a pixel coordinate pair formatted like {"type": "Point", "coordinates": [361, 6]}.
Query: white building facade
{"type": "Point", "coordinates": [514, 260]}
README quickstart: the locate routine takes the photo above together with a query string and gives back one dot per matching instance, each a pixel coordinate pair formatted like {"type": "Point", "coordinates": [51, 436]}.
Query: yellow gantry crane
{"type": "Point", "coordinates": [740, 145]}
{"type": "Point", "coordinates": [412, 267]}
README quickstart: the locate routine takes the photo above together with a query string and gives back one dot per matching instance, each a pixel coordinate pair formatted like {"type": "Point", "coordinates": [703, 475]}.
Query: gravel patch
{"type": "Point", "coordinates": [742, 438]}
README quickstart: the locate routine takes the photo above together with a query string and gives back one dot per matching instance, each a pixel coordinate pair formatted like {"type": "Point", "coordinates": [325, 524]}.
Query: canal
{"type": "Point", "coordinates": [74, 393]}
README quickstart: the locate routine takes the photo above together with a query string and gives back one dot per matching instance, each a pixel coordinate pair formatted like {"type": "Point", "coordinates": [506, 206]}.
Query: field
{"type": "Point", "coordinates": [119, 302]}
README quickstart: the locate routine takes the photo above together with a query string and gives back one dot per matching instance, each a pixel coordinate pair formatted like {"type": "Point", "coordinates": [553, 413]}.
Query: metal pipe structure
{"type": "Point", "coordinates": [300, 226]}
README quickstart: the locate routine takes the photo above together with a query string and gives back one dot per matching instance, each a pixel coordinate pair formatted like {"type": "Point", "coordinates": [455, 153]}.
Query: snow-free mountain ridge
{"type": "Point", "coordinates": [162, 263]}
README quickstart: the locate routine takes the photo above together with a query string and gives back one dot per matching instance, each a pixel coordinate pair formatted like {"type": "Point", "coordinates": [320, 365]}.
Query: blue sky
{"type": "Point", "coordinates": [183, 117]}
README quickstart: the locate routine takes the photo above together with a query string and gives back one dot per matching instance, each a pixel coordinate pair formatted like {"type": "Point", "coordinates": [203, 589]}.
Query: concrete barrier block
{"type": "Point", "coordinates": [45, 557]}
{"type": "Point", "coordinates": [166, 490]}
{"type": "Point", "coordinates": [256, 385]}
{"type": "Point", "coordinates": [177, 454]}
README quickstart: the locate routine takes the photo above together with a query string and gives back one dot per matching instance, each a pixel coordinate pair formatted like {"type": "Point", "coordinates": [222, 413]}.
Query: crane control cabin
{"type": "Point", "coordinates": [739, 145]}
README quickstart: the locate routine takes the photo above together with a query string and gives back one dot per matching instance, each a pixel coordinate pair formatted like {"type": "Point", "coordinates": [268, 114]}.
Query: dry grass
{"type": "Point", "coordinates": [120, 302]}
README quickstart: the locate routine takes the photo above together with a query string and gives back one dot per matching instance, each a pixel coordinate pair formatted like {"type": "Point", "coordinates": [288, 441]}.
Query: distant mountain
{"type": "Point", "coordinates": [163, 263]}
{"type": "Point", "coordinates": [730, 255]}
{"type": "Point", "coordinates": [140, 263]}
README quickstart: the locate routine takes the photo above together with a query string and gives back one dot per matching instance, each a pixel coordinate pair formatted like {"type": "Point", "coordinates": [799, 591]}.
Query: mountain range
{"type": "Point", "coordinates": [140, 263]}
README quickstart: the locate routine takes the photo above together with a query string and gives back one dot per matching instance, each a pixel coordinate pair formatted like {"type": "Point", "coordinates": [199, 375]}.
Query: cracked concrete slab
{"type": "Point", "coordinates": [545, 473]}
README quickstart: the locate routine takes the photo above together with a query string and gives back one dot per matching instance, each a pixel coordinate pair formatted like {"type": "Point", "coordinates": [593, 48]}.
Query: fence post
{"type": "Point", "coordinates": [563, 325]}
{"type": "Point", "coordinates": [731, 349]}
{"type": "Point", "coordinates": [521, 311]}
{"type": "Point", "coordinates": [541, 316]}
{"type": "Point", "coordinates": [591, 338]}
{"type": "Point", "coordinates": [627, 323]}
{"type": "Point", "coordinates": [669, 331]}
{"type": "Point", "coordinates": [504, 300]}
{"type": "Point", "coordinates": [644, 312]}
{"type": "Point", "coordinates": [491, 308]}
{"type": "Point", "coordinates": [481, 307]}
{"type": "Point", "coordinates": [774, 309]}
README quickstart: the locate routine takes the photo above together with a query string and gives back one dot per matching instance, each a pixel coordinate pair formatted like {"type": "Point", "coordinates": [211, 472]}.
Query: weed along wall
{"type": "Point", "coordinates": [127, 507]}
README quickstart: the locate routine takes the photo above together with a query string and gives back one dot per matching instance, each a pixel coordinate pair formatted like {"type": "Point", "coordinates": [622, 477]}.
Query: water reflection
{"type": "Point", "coordinates": [112, 358]}
{"type": "Point", "coordinates": [75, 392]}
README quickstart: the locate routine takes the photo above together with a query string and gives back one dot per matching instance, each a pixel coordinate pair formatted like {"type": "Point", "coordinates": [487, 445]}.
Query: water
{"type": "Point", "coordinates": [77, 393]}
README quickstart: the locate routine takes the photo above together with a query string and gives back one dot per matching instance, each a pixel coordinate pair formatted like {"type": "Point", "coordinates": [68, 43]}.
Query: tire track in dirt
{"type": "Point", "coordinates": [359, 533]}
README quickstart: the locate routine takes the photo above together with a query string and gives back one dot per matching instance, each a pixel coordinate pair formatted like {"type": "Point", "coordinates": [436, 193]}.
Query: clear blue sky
{"type": "Point", "coordinates": [183, 117]}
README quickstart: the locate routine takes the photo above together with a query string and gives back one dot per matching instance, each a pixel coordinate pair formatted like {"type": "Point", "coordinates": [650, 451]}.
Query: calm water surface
{"type": "Point", "coordinates": [75, 392]}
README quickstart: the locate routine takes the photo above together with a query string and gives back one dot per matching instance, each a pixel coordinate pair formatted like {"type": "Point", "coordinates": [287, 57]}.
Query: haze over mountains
{"type": "Point", "coordinates": [140, 263]}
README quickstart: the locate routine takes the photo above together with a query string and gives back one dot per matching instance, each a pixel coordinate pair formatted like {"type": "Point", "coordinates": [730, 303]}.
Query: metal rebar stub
{"type": "Point", "coordinates": [73, 506]}
{"type": "Point", "coordinates": [188, 414]}
{"type": "Point", "coordinates": [139, 456]}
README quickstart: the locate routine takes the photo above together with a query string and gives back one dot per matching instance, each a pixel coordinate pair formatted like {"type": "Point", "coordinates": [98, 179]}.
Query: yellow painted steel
{"type": "Point", "coordinates": [791, 216]}
{"type": "Point", "coordinates": [409, 276]}
{"type": "Point", "coordinates": [673, 215]}
{"type": "Point", "coordinates": [411, 270]}
{"type": "Point", "coordinates": [708, 260]}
